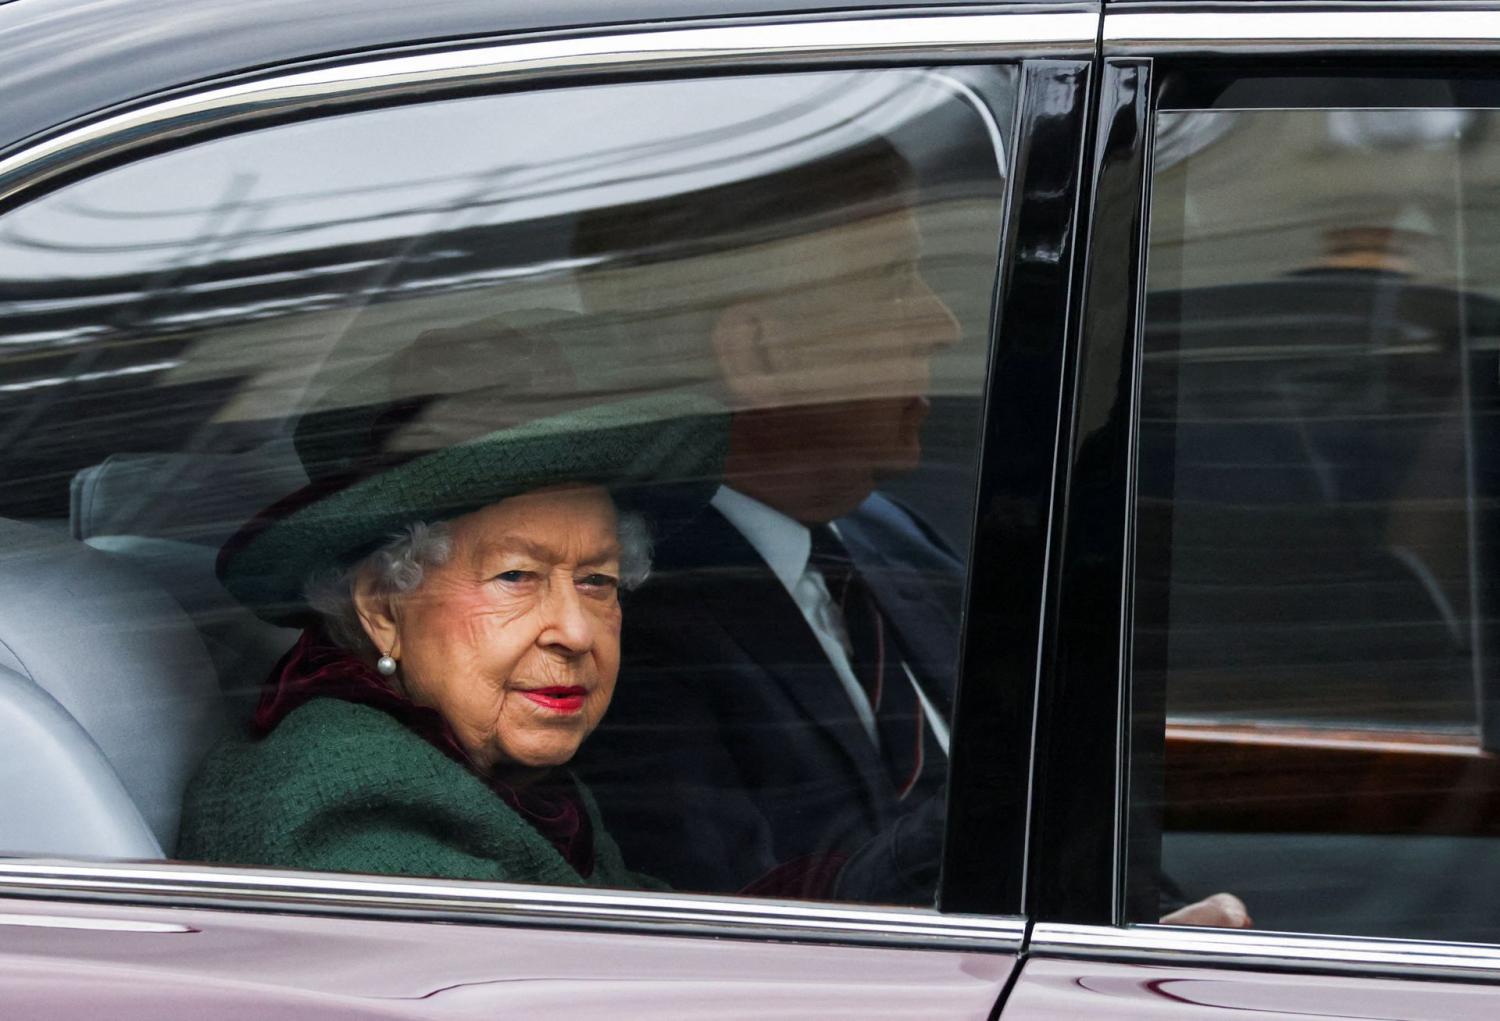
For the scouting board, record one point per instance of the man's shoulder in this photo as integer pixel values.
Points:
(711, 555)
(889, 527)
(704, 560)
(707, 540)
(711, 540)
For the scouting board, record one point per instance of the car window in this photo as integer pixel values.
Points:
(564, 487)
(1314, 564)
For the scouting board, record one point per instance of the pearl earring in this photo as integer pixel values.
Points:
(386, 665)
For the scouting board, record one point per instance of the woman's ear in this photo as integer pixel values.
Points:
(745, 344)
(377, 615)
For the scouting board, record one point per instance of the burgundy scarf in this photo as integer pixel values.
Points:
(316, 668)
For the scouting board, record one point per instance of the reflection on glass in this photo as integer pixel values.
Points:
(229, 373)
(1308, 420)
(1315, 576)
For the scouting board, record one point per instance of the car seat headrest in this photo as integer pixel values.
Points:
(118, 654)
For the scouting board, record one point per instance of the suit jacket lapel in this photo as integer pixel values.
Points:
(745, 598)
(921, 600)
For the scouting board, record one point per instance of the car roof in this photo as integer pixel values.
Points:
(68, 58)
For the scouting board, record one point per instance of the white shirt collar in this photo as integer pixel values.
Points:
(783, 543)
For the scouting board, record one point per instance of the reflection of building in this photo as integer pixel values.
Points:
(1378, 249)
(1319, 407)
(219, 296)
(1263, 189)
(1395, 130)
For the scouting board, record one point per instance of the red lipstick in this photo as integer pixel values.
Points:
(560, 699)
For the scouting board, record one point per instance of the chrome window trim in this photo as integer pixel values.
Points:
(1182, 946)
(941, 38)
(170, 884)
(1265, 29)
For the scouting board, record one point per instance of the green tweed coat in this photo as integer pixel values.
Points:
(343, 787)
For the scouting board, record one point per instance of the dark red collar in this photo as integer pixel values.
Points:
(316, 668)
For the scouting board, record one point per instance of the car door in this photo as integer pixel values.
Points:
(1271, 674)
(193, 261)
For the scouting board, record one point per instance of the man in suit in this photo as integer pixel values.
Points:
(781, 721)
(787, 685)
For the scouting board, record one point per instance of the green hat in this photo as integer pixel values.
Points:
(450, 425)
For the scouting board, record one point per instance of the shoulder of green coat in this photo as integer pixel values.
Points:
(326, 755)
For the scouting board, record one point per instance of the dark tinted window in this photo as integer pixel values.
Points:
(1313, 415)
(1316, 523)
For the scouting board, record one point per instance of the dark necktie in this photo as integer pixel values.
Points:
(905, 737)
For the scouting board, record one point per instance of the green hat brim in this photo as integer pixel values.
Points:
(661, 455)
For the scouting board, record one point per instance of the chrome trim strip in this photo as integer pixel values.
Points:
(1265, 29)
(939, 38)
(1164, 945)
(176, 885)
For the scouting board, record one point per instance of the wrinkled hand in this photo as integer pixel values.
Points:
(1222, 910)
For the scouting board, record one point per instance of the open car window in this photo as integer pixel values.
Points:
(192, 346)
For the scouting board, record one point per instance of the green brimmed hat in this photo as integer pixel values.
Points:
(451, 424)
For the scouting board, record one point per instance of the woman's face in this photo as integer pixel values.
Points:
(516, 639)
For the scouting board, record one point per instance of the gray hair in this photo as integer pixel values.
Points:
(397, 568)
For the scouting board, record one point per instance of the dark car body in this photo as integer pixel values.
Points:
(1071, 755)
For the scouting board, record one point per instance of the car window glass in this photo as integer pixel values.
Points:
(532, 487)
(1315, 569)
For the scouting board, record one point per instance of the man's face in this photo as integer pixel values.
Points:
(852, 342)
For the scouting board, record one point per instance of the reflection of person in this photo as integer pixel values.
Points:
(445, 674)
(791, 682)
(761, 721)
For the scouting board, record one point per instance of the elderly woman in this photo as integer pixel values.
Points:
(457, 578)
(458, 586)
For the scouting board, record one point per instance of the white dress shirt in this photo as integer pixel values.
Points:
(786, 545)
